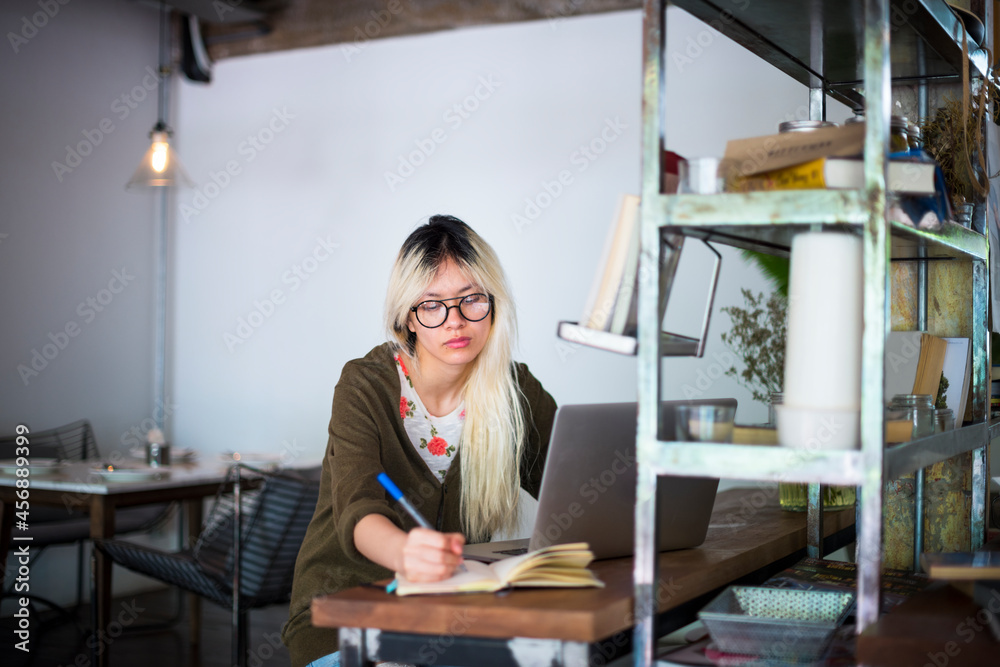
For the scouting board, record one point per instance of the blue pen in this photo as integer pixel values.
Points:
(398, 496)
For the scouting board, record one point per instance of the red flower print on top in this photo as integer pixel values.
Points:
(461, 415)
(437, 446)
(405, 408)
(399, 360)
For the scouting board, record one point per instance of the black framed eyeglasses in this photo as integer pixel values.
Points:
(473, 307)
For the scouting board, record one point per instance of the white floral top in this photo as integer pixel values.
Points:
(435, 438)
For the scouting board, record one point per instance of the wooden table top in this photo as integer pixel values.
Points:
(748, 531)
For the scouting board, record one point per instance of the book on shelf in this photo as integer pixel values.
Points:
(903, 176)
(556, 566)
(958, 370)
(622, 242)
(914, 361)
(832, 575)
(962, 565)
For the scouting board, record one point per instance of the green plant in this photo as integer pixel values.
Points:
(757, 338)
(952, 136)
(941, 402)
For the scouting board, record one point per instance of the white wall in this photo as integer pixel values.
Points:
(65, 235)
(344, 117)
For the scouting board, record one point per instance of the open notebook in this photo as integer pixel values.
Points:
(588, 488)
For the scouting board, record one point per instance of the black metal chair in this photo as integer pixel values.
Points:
(244, 557)
(50, 526)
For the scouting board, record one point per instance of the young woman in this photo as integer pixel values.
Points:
(443, 410)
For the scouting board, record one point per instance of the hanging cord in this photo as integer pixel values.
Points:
(980, 178)
(162, 96)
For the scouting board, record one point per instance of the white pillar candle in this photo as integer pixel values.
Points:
(823, 346)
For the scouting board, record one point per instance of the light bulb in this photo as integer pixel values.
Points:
(160, 148)
(159, 157)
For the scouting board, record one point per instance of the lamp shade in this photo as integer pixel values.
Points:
(160, 166)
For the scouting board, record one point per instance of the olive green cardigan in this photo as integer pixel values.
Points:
(367, 437)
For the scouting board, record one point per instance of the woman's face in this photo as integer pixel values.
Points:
(458, 341)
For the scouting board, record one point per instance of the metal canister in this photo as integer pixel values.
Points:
(157, 454)
(914, 136)
(804, 125)
(899, 138)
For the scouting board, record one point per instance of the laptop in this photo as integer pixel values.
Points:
(588, 487)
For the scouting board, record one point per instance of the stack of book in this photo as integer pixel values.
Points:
(831, 158)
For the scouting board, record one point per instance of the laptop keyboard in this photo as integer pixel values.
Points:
(512, 552)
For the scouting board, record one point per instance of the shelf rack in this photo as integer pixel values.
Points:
(851, 50)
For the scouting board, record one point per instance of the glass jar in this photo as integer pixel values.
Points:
(944, 420)
(777, 398)
(918, 410)
(899, 138)
(804, 125)
(795, 497)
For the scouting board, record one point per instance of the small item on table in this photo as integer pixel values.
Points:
(157, 449)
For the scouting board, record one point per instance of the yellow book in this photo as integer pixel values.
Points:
(837, 173)
(560, 566)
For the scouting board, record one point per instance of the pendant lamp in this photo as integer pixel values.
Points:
(160, 166)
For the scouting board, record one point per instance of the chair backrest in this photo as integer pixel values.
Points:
(274, 519)
(70, 442)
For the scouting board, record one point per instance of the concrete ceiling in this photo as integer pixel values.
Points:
(233, 28)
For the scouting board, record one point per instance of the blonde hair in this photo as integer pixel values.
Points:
(493, 435)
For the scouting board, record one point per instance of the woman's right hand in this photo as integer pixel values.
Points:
(428, 555)
(419, 555)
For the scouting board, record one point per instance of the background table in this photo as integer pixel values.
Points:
(749, 539)
(79, 487)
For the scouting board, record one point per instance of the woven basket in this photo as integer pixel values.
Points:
(775, 623)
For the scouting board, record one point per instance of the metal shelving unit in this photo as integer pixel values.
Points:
(851, 50)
